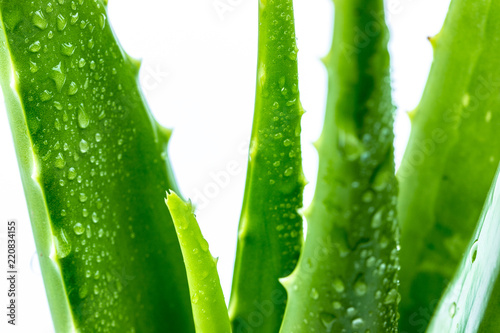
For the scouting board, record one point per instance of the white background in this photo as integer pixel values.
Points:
(198, 76)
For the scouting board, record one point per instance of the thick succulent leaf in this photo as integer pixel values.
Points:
(346, 279)
(94, 168)
(452, 156)
(209, 308)
(270, 230)
(472, 301)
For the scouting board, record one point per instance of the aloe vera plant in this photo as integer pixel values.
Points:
(346, 278)
(114, 258)
(270, 231)
(94, 168)
(451, 157)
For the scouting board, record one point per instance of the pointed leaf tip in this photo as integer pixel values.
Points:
(208, 304)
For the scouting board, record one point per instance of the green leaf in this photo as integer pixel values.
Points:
(270, 230)
(346, 279)
(452, 156)
(94, 169)
(471, 302)
(209, 308)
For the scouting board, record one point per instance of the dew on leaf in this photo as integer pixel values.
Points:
(78, 228)
(39, 20)
(61, 22)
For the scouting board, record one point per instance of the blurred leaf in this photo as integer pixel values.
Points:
(472, 301)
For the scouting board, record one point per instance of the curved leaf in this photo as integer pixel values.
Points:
(94, 169)
(270, 230)
(472, 301)
(451, 158)
(346, 279)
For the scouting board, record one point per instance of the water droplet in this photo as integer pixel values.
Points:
(350, 145)
(84, 146)
(338, 285)
(58, 105)
(289, 172)
(377, 219)
(98, 137)
(392, 297)
(63, 247)
(58, 76)
(73, 88)
(78, 228)
(71, 173)
(381, 180)
(287, 142)
(357, 324)
(74, 18)
(337, 305)
(314, 294)
(473, 251)
(83, 118)
(351, 311)
(67, 49)
(61, 22)
(81, 62)
(83, 197)
(59, 162)
(46, 95)
(370, 262)
(33, 67)
(95, 218)
(102, 21)
(35, 47)
(452, 310)
(360, 287)
(204, 244)
(39, 20)
(195, 298)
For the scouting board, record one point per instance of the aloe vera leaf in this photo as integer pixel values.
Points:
(209, 308)
(270, 230)
(452, 156)
(94, 168)
(471, 301)
(346, 279)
